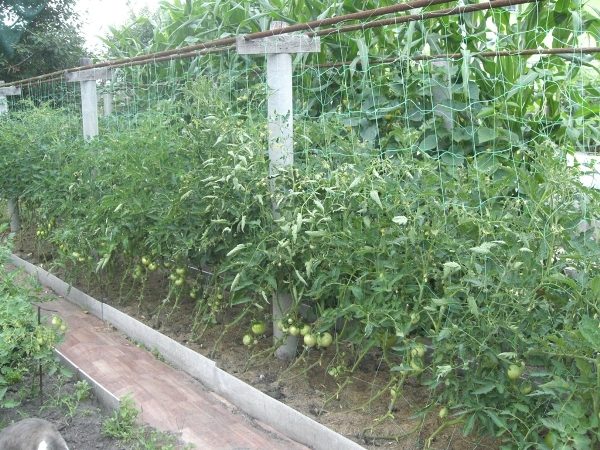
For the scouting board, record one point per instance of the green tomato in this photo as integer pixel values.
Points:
(514, 372)
(259, 328)
(56, 321)
(324, 340)
(247, 340)
(443, 412)
(305, 330)
(151, 267)
(310, 340)
(145, 261)
(550, 439)
(180, 270)
(416, 365)
(526, 388)
(293, 330)
(179, 282)
(418, 351)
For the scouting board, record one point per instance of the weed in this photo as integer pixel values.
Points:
(69, 401)
(121, 425)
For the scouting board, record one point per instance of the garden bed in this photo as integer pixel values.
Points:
(354, 405)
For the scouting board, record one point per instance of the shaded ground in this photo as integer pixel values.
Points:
(79, 421)
(70, 405)
(318, 383)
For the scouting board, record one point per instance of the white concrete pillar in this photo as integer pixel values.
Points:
(13, 203)
(278, 51)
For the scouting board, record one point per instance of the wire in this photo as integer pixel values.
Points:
(488, 54)
(227, 42)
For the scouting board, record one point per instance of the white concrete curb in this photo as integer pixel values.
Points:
(106, 398)
(253, 402)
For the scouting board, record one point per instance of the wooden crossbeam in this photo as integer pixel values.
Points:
(99, 73)
(297, 43)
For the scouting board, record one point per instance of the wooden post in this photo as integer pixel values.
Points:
(89, 95)
(13, 203)
(278, 50)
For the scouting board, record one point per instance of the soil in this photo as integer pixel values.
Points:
(355, 404)
(81, 430)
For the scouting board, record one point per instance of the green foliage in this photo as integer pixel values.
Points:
(121, 425)
(460, 106)
(456, 271)
(23, 343)
(21, 142)
(430, 216)
(70, 401)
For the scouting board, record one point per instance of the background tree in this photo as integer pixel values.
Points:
(38, 37)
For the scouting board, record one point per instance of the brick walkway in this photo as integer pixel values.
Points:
(169, 400)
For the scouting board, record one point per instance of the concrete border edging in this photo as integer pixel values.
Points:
(250, 400)
(106, 398)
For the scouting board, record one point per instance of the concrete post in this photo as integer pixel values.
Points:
(14, 215)
(108, 104)
(279, 50)
(89, 95)
(13, 203)
(89, 105)
(281, 157)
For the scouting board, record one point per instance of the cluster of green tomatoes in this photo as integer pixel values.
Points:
(293, 328)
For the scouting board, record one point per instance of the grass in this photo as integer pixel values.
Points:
(123, 425)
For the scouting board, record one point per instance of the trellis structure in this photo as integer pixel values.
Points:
(402, 195)
(279, 81)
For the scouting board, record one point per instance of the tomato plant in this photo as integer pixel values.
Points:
(476, 275)
(24, 344)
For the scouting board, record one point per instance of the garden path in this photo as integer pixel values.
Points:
(169, 400)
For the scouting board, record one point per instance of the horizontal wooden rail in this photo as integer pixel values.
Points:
(224, 44)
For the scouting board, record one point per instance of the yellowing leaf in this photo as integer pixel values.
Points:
(400, 220)
(235, 282)
(354, 183)
(375, 197)
(236, 249)
(319, 205)
(300, 278)
(186, 195)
